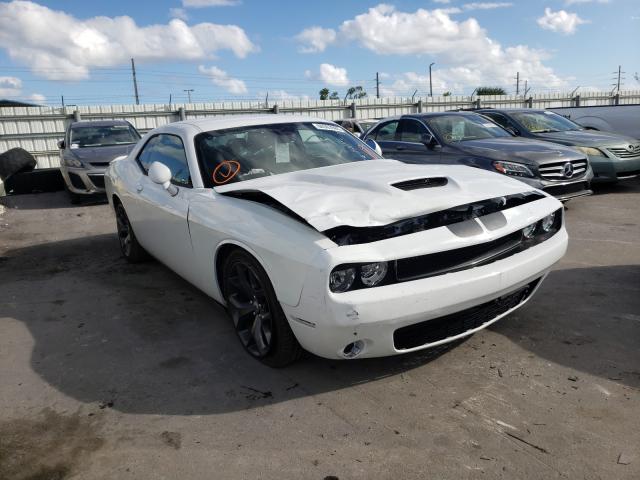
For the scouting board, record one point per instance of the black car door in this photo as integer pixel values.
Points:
(386, 136)
(410, 148)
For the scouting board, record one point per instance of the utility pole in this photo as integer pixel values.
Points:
(377, 85)
(620, 80)
(62, 98)
(517, 83)
(526, 87)
(135, 82)
(430, 82)
(189, 90)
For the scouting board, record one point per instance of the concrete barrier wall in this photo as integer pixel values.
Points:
(38, 129)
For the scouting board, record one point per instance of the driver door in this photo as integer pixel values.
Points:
(159, 219)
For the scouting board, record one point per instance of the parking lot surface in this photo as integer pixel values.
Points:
(110, 370)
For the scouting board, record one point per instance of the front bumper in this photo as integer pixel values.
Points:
(613, 169)
(83, 180)
(563, 190)
(325, 323)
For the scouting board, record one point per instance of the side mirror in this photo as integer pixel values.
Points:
(373, 145)
(428, 140)
(61, 144)
(159, 173)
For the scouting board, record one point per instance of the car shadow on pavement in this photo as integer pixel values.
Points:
(57, 200)
(623, 186)
(140, 339)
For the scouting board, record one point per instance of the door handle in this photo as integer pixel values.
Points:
(139, 187)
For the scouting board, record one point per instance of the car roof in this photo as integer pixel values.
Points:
(99, 123)
(510, 110)
(233, 121)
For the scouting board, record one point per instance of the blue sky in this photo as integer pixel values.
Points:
(286, 48)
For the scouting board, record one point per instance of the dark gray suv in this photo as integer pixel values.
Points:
(87, 150)
(471, 139)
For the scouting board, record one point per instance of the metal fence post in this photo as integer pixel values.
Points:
(353, 109)
(576, 100)
(276, 109)
(420, 106)
(616, 99)
(182, 115)
(76, 116)
(478, 103)
(530, 102)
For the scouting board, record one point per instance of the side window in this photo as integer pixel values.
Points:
(499, 119)
(169, 150)
(412, 131)
(387, 132)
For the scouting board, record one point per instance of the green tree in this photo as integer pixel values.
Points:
(446, 94)
(355, 93)
(490, 91)
(324, 95)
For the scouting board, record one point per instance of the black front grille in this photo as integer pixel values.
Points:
(560, 190)
(76, 181)
(457, 323)
(458, 259)
(97, 180)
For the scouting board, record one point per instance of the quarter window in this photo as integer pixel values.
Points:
(168, 150)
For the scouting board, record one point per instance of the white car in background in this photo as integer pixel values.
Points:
(312, 241)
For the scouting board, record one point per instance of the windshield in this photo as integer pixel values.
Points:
(105, 136)
(238, 154)
(461, 128)
(545, 122)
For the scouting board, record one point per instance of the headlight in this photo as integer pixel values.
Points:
(529, 231)
(341, 280)
(372, 274)
(591, 151)
(72, 162)
(510, 168)
(547, 222)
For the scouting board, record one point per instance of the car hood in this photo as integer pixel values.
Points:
(100, 154)
(530, 152)
(588, 138)
(360, 194)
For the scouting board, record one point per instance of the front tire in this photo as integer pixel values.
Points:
(132, 251)
(257, 315)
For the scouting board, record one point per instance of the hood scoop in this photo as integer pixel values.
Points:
(418, 183)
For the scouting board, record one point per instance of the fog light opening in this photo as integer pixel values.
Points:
(353, 349)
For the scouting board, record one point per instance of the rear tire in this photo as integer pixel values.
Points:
(74, 198)
(131, 250)
(257, 315)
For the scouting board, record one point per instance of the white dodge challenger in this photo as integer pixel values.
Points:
(313, 241)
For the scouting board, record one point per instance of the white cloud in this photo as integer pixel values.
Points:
(315, 39)
(222, 79)
(179, 13)
(330, 75)
(465, 55)
(561, 21)
(442, 1)
(486, 5)
(10, 86)
(209, 3)
(71, 47)
(37, 98)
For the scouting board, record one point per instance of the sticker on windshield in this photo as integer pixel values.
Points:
(328, 126)
(282, 153)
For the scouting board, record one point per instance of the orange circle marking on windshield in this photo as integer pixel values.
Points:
(225, 171)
